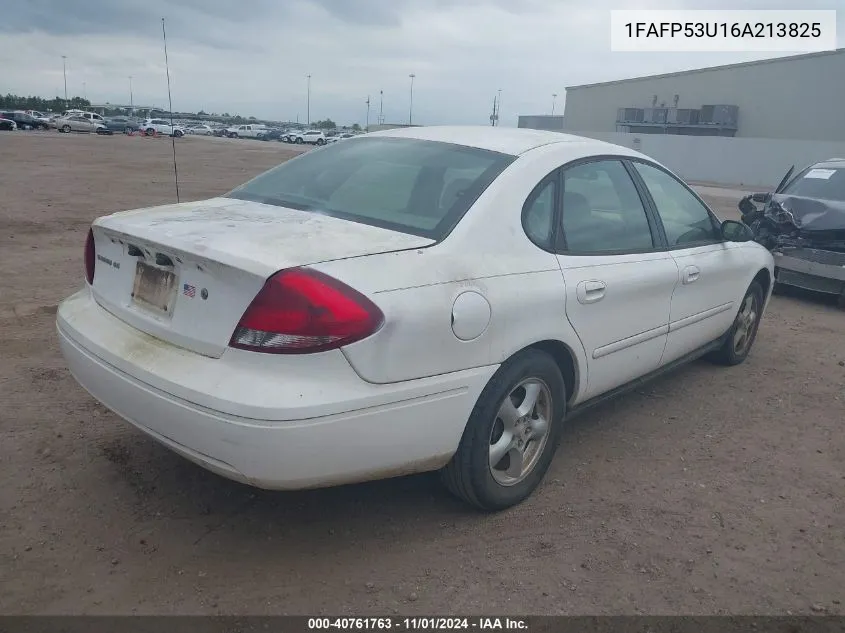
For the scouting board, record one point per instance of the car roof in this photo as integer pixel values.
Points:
(507, 140)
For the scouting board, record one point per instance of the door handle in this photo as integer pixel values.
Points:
(690, 274)
(591, 291)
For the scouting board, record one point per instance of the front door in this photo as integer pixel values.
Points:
(712, 271)
(619, 279)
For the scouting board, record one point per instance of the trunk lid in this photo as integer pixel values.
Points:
(185, 273)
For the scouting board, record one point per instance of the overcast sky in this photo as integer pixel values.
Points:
(252, 57)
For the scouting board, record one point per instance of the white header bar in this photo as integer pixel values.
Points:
(723, 31)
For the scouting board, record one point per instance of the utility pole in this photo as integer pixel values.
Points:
(131, 99)
(498, 106)
(493, 114)
(64, 72)
(367, 128)
(381, 107)
(411, 108)
(84, 91)
(554, 98)
(308, 103)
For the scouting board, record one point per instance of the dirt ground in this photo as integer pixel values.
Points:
(711, 491)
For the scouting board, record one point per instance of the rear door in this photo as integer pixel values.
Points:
(618, 276)
(713, 271)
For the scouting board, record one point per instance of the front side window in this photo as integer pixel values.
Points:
(685, 218)
(602, 211)
(408, 185)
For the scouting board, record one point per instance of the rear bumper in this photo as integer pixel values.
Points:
(388, 430)
(812, 269)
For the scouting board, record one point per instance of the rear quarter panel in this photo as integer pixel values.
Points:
(487, 253)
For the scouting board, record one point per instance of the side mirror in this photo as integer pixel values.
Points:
(760, 197)
(734, 231)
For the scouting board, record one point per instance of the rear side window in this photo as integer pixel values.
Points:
(818, 182)
(408, 185)
(602, 210)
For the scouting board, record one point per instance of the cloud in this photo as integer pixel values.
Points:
(253, 57)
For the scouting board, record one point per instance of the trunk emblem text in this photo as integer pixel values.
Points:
(108, 262)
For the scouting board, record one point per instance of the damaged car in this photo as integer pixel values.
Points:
(803, 224)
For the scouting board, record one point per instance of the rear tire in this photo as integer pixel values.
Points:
(743, 332)
(177, 133)
(150, 131)
(508, 443)
(299, 141)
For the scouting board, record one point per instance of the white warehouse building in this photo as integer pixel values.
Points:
(795, 97)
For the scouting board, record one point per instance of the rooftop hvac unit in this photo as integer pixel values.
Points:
(629, 115)
(722, 115)
(706, 114)
(660, 115)
(671, 115)
(648, 115)
(686, 116)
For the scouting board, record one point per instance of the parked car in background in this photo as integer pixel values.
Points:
(802, 222)
(433, 298)
(38, 115)
(200, 129)
(340, 137)
(314, 137)
(7, 124)
(124, 124)
(79, 123)
(247, 131)
(162, 126)
(272, 134)
(24, 121)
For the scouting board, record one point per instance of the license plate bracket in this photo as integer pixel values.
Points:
(154, 289)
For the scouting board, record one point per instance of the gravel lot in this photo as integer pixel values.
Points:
(711, 491)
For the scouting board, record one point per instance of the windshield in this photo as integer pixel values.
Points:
(408, 185)
(817, 182)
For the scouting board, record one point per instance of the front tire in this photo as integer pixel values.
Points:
(743, 332)
(66, 129)
(150, 131)
(511, 435)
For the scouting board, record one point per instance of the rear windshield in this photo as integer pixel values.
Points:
(818, 182)
(408, 185)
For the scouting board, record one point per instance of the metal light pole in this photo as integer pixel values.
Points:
(367, 127)
(131, 99)
(64, 72)
(498, 107)
(381, 107)
(411, 107)
(308, 102)
(554, 98)
(84, 91)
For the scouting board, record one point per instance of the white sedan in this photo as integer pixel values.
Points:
(201, 130)
(432, 298)
(161, 126)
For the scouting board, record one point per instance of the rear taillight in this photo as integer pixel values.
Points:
(90, 257)
(300, 311)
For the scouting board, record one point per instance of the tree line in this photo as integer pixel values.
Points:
(57, 104)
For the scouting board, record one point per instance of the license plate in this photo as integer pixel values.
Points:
(154, 288)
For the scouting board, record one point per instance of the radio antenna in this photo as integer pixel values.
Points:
(170, 105)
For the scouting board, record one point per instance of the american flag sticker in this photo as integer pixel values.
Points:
(189, 291)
